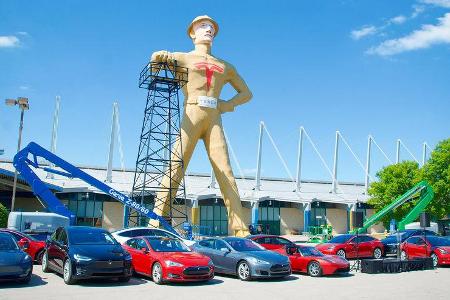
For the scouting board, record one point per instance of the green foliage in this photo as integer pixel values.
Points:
(3, 216)
(395, 180)
(437, 172)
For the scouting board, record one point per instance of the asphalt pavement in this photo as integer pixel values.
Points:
(430, 284)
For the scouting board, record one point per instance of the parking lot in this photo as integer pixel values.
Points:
(431, 284)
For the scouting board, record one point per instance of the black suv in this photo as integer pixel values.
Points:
(79, 252)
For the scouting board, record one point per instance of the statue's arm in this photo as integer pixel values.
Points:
(243, 92)
(169, 57)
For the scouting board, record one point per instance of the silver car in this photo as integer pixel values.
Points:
(244, 258)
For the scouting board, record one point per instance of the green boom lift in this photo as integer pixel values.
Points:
(422, 190)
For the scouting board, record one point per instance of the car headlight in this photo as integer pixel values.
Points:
(27, 258)
(254, 260)
(210, 263)
(443, 251)
(81, 258)
(170, 263)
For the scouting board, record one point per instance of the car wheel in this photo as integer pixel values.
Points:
(314, 269)
(403, 255)
(435, 259)
(157, 275)
(38, 257)
(341, 253)
(44, 262)
(243, 271)
(377, 253)
(67, 272)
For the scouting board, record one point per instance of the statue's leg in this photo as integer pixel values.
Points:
(190, 133)
(217, 149)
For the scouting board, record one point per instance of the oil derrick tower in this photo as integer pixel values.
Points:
(160, 131)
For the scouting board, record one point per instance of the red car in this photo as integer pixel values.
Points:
(438, 248)
(272, 242)
(309, 260)
(352, 246)
(168, 259)
(30, 245)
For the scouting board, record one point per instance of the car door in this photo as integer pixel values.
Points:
(411, 247)
(52, 249)
(62, 248)
(422, 248)
(350, 247)
(226, 258)
(365, 246)
(131, 247)
(143, 254)
(299, 262)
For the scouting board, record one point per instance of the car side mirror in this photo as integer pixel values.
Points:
(144, 250)
(24, 244)
(225, 249)
(291, 250)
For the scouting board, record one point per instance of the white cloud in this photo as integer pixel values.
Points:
(9, 41)
(418, 9)
(441, 3)
(363, 32)
(398, 19)
(22, 33)
(427, 36)
(24, 88)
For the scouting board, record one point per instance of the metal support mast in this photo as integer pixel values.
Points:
(158, 156)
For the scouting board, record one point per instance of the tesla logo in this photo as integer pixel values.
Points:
(209, 70)
(109, 262)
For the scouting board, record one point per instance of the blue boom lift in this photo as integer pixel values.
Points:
(22, 163)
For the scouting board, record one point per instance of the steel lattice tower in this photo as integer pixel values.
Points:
(160, 131)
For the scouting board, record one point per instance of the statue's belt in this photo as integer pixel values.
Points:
(204, 101)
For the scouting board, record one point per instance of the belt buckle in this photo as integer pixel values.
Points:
(206, 101)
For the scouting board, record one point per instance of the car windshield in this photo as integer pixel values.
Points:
(7, 243)
(244, 245)
(340, 239)
(310, 251)
(168, 245)
(439, 242)
(94, 237)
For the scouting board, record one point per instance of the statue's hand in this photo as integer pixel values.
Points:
(225, 106)
(162, 56)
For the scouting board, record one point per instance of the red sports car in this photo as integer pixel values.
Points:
(438, 248)
(168, 259)
(29, 244)
(309, 260)
(272, 242)
(352, 246)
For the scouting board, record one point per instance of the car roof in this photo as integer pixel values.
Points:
(84, 228)
(135, 228)
(262, 235)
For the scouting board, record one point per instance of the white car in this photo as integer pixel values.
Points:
(125, 234)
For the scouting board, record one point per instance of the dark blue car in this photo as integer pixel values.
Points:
(79, 252)
(14, 263)
(392, 241)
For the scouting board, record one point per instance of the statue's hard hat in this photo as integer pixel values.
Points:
(201, 18)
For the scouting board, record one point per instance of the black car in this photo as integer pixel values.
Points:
(79, 252)
(15, 264)
(392, 241)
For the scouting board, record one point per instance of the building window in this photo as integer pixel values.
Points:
(269, 216)
(318, 216)
(88, 207)
(213, 217)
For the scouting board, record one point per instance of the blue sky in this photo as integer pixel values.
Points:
(361, 67)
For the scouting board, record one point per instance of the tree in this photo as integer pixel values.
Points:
(437, 172)
(3, 216)
(394, 181)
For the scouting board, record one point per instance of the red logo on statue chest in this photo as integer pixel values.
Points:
(209, 71)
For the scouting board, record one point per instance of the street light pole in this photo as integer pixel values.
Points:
(23, 105)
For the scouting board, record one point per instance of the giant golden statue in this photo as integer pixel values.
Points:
(202, 117)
